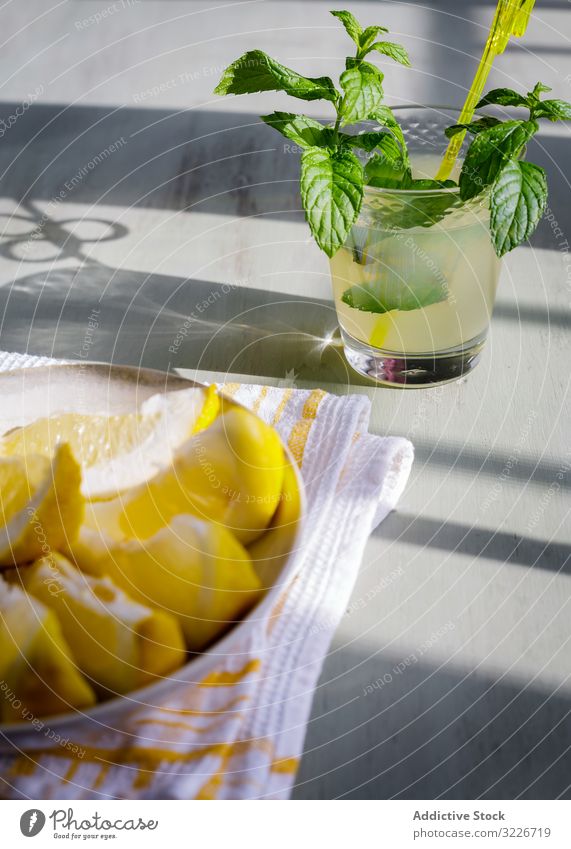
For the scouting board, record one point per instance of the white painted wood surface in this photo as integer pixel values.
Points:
(450, 673)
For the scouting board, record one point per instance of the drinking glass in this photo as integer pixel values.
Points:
(415, 283)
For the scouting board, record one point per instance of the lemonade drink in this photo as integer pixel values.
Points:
(418, 274)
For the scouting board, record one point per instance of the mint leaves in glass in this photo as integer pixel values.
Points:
(414, 260)
(332, 176)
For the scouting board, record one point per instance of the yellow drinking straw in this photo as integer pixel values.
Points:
(511, 18)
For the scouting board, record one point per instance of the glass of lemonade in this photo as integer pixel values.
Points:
(415, 283)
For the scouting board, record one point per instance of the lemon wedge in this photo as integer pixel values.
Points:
(120, 451)
(36, 663)
(194, 570)
(41, 506)
(270, 551)
(231, 473)
(117, 642)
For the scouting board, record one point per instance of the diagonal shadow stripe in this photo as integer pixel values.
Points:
(533, 315)
(476, 542)
(220, 162)
(471, 460)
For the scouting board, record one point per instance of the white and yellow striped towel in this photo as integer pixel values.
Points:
(238, 733)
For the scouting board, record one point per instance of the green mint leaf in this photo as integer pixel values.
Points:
(538, 89)
(368, 36)
(489, 151)
(422, 211)
(300, 129)
(351, 24)
(502, 97)
(392, 50)
(473, 127)
(364, 141)
(256, 71)
(367, 141)
(553, 110)
(388, 169)
(385, 116)
(393, 294)
(331, 193)
(363, 89)
(432, 184)
(389, 147)
(383, 173)
(331, 138)
(517, 201)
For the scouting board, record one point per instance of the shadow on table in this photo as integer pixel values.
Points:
(92, 311)
(467, 458)
(188, 159)
(214, 162)
(432, 732)
(168, 322)
(477, 542)
(165, 322)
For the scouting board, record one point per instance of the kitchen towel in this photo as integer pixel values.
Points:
(238, 732)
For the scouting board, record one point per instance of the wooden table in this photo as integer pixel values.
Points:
(134, 198)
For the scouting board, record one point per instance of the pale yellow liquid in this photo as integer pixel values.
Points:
(456, 262)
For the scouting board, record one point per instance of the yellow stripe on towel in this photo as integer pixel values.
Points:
(300, 431)
(210, 789)
(287, 766)
(188, 726)
(227, 679)
(258, 402)
(281, 406)
(192, 712)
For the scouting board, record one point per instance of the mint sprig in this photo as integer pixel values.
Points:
(488, 153)
(304, 131)
(389, 168)
(517, 201)
(381, 296)
(332, 177)
(553, 110)
(363, 92)
(473, 127)
(331, 193)
(518, 190)
(392, 50)
(352, 26)
(256, 71)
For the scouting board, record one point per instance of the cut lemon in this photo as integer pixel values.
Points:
(41, 506)
(268, 552)
(120, 451)
(193, 570)
(232, 473)
(117, 642)
(36, 663)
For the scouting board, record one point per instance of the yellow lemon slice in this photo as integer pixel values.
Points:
(117, 642)
(41, 506)
(270, 551)
(36, 663)
(193, 570)
(231, 473)
(120, 451)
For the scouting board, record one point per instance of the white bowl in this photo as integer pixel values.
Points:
(28, 394)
